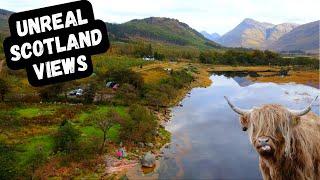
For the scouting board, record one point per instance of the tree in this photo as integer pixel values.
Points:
(67, 138)
(90, 93)
(158, 56)
(104, 122)
(4, 88)
(149, 51)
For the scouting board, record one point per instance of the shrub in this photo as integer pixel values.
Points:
(36, 159)
(141, 127)
(179, 79)
(4, 88)
(87, 149)
(128, 93)
(50, 92)
(7, 161)
(157, 98)
(67, 138)
(10, 119)
(159, 95)
(123, 76)
(168, 90)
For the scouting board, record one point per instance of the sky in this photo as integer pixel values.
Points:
(210, 15)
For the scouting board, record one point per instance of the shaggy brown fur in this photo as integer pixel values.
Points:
(295, 142)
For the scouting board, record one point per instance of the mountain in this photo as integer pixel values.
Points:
(4, 16)
(212, 37)
(304, 37)
(254, 34)
(249, 33)
(274, 33)
(159, 29)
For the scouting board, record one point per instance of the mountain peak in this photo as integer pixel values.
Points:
(249, 21)
(5, 12)
(161, 21)
(212, 37)
(159, 29)
(254, 23)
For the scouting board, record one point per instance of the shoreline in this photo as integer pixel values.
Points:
(201, 79)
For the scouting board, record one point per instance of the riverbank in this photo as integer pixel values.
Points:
(201, 76)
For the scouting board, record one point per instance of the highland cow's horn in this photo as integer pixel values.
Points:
(303, 111)
(236, 109)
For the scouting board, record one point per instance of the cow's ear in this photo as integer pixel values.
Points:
(244, 121)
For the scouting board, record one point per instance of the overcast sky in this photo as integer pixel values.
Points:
(210, 15)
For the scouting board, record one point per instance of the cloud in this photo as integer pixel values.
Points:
(210, 15)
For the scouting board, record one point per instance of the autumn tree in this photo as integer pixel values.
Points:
(104, 121)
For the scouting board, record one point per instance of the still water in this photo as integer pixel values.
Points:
(207, 140)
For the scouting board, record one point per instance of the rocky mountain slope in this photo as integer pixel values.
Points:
(254, 34)
(303, 38)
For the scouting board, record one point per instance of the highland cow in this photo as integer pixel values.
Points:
(287, 141)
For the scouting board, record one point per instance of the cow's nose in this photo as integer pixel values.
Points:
(263, 140)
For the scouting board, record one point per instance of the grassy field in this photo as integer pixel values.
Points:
(28, 138)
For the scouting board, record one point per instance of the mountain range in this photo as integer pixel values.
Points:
(212, 36)
(248, 34)
(304, 38)
(282, 37)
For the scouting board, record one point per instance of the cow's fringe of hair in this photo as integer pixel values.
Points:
(266, 122)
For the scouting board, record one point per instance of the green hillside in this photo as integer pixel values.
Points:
(158, 29)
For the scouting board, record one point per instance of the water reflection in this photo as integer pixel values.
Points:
(207, 141)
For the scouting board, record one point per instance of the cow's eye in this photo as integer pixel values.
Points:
(244, 128)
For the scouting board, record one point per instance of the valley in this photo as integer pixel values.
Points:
(160, 82)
